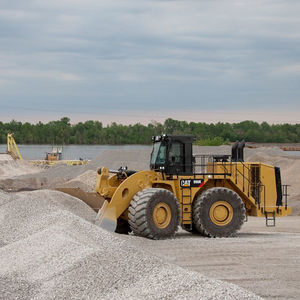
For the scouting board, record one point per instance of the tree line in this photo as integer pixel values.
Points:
(62, 132)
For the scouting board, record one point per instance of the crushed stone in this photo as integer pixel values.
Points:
(51, 250)
(85, 181)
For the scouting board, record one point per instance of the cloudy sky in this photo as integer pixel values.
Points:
(140, 60)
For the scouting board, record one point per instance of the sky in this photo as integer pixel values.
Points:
(147, 60)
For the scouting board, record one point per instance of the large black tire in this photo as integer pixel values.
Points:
(154, 213)
(218, 212)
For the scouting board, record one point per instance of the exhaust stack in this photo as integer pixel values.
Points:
(237, 151)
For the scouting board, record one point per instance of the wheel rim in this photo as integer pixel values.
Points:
(221, 213)
(161, 215)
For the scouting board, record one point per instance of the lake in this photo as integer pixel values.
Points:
(70, 151)
(82, 151)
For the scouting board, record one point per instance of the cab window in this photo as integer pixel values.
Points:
(159, 154)
(161, 157)
(176, 153)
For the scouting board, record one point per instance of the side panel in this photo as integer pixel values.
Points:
(269, 196)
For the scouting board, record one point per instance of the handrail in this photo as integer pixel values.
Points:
(238, 171)
(244, 166)
(258, 185)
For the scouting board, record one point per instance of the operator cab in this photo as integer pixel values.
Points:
(172, 154)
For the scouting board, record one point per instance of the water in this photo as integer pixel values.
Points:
(70, 151)
(293, 153)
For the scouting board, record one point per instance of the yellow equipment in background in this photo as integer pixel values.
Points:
(52, 158)
(12, 147)
(56, 162)
(206, 194)
(54, 155)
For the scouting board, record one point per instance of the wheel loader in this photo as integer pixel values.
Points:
(210, 195)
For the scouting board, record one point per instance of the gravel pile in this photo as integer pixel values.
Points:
(114, 159)
(10, 167)
(50, 250)
(21, 175)
(248, 152)
(85, 181)
(31, 178)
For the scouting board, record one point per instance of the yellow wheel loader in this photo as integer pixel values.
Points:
(210, 195)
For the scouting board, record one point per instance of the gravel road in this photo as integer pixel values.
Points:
(263, 260)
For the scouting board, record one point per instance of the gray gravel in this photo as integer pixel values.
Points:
(49, 249)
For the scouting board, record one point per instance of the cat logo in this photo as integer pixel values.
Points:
(191, 183)
(185, 182)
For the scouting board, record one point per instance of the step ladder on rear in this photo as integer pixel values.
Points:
(270, 218)
(186, 207)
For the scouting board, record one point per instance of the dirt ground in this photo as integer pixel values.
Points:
(263, 260)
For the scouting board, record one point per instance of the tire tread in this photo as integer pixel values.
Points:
(137, 213)
(200, 204)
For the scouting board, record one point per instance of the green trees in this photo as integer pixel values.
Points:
(93, 132)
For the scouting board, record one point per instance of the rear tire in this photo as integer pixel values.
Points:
(218, 212)
(154, 213)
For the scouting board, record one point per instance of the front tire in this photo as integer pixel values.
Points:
(154, 213)
(218, 212)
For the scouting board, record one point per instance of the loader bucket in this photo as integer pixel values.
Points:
(92, 199)
(106, 217)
